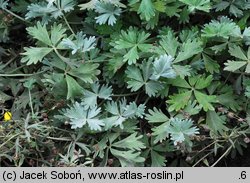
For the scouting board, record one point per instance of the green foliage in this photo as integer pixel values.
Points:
(81, 43)
(179, 101)
(39, 32)
(242, 59)
(203, 5)
(181, 130)
(132, 41)
(235, 8)
(121, 111)
(80, 116)
(49, 10)
(162, 68)
(140, 77)
(123, 83)
(107, 13)
(102, 92)
(127, 151)
(223, 28)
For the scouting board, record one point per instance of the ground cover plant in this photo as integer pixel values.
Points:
(124, 82)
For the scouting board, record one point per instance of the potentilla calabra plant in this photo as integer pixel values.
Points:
(124, 82)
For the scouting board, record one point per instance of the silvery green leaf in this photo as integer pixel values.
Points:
(80, 43)
(224, 28)
(120, 111)
(49, 10)
(181, 130)
(108, 13)
(163, 68)
(80, 116)
(140, 77)
(97, 91)
(3, 4)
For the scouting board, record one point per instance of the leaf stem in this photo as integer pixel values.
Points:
(9, 140)
(20, 75)
(63, 58)
(15, 15)
(67, 23)
(222, 156)
(125, 95)
(31, 106)
(60, 139)
(206, 155)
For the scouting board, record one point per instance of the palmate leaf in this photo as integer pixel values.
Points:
(215, 122)
(182, 71)
(131, 142)
(181, 130)
(3, 4)
(34, 55)
(234, 65)
(51, 9)
(79, 117)
(200, 82)
(224, 28)
(243, 59)
(169, 43)
(91, 4)
(86, 72)
(41, 33)
(108, 13)
(146, 9)
(210, 64)
(179, 101)
(138, 78)
(132, 40)
(157, 159)
(97, 91)
(203, 5)
(161, 132)
(121, 111)
(205, 100)
(156, 116)
(81, 43)
(156, 152)
(226, 96)
(128, 150)
(127, 158)
(162, 68)
(235, 8)
(189, 49)
(192, 108)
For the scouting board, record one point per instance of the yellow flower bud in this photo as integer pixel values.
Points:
(7, 116)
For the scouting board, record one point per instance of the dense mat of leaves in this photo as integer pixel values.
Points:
(123, 82)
